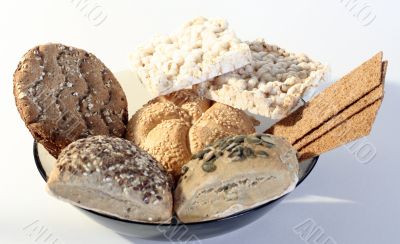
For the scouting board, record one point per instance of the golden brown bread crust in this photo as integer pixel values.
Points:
(173, 127)
(217, 122)
(194, 105)
(64, 93)
(168, 143)
(149, 116)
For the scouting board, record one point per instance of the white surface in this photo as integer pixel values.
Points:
(351, 202)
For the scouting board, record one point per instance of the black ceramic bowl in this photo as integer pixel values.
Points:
(175, 231)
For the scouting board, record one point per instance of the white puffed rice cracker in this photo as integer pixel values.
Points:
(271, 85)
(201, 50)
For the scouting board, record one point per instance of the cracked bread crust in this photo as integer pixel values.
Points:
(64, 93)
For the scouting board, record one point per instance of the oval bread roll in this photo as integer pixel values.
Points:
(112, 176)
(64, 93)
(235, 174)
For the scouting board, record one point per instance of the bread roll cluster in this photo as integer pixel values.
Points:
(175, 126)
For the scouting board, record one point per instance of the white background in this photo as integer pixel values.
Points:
(351, 201)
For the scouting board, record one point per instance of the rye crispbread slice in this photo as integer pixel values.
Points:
(357, 126)
(356, 107)
(331, 101)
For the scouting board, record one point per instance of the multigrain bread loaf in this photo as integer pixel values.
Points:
(173, 127)
(64, 93)
(234, 174)
(271, 85)
(112, 176)
(201, 50)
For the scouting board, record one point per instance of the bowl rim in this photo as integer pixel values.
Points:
(43, 174)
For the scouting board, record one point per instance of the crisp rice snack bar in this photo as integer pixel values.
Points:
(201, 50)
(271, 85)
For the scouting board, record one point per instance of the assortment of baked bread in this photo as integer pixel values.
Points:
(192, 151)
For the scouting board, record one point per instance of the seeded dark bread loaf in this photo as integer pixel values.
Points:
(173, 127)
(111, 175)
(235, 174)
(64, 93)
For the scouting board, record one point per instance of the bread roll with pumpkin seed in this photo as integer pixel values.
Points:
(235, 174)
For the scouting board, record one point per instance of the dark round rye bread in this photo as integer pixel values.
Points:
(64, 93)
